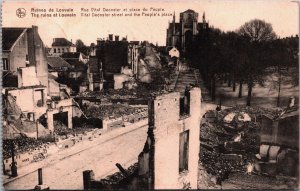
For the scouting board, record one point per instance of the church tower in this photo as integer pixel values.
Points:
(189, 23)
(182, 34)
(173, 31)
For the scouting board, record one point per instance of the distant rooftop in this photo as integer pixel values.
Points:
(77, 66)
(189, 11)
(57, 62)
(61, 42)
(72, 55)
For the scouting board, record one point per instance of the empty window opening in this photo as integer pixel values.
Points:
(185, 104)
(5, 64)
(39, 98)
(60, 121)
(183, 150)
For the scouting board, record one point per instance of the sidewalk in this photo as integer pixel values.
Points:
(77, 148)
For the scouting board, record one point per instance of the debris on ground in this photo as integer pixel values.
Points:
(61, 130)
(230, 143)
(117, 180)
(110, 111)
(245, 181)
(21, 144)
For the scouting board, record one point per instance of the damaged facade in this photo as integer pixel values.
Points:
(279, 142)
(26, 78)
(94, 74)
(23, 47)
(119, 62)
(169, 159)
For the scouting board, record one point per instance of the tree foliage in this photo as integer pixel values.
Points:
(242, 56)
(81, 47)
(257, 31)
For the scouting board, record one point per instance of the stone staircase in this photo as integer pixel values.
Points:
(204, 91)
(185, 78)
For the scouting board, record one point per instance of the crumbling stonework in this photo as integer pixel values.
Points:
(59, 107)
(166, 162)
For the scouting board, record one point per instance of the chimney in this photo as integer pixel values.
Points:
(116, 38)
(291, 102)
(35, 29)
(110, 37)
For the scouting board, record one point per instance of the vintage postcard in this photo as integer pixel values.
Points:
(150, 94)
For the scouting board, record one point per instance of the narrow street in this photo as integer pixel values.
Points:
(99, 157)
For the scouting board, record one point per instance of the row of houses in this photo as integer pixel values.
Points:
(38, 83)
(32, 98)
(102, 68)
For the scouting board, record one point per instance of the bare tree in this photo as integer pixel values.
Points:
(257, 33)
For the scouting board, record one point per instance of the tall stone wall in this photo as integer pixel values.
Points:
(159, 162)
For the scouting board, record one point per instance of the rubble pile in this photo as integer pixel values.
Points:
(60, 129)
(111, 94)
(119, 179)
(21, 144)
(111, 111)
(162, 77)
(229, 143)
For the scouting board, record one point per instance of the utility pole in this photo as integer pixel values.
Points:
(37, 128)
(14, 169)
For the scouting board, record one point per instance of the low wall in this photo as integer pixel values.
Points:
(46, 150)
(125, 120)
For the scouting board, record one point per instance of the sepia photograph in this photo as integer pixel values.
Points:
(146, 95)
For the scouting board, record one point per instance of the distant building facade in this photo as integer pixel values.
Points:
(115, 55)
(94, 74)
(181, 35)
(133, 56)
(60, 46)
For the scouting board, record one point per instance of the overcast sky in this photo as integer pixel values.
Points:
(223, 14)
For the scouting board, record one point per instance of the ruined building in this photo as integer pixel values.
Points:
(117, 57)
(181, 35)
(170, 156)
(32, 100)
(171, 153)
(94, 74)
(279, 139)
(23, 47)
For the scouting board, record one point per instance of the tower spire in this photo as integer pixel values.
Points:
(174, 23)
(174, 17)
(203, 17)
